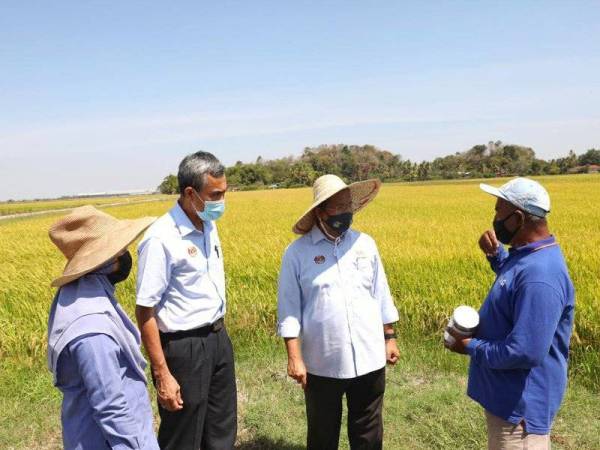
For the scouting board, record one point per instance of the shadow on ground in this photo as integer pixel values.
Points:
(265, 443)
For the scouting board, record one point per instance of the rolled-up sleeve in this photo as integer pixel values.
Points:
(381, 292)
(96, 357)
(289, 297)
(154, 272)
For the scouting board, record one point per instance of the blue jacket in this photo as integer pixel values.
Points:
(520, 354)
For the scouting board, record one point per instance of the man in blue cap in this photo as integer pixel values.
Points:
(519, 354)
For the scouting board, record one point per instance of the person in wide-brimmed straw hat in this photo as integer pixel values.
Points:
(90, 238)
(93, 347)
(336, 314)
(360, 194)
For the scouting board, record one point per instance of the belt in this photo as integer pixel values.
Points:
(202, 331)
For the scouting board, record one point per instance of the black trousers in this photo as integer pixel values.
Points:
(202, 363)
(364, 397)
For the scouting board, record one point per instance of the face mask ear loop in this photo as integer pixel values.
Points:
(200, 198)
(323, 228)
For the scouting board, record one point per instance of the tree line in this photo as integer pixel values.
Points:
(360, 162)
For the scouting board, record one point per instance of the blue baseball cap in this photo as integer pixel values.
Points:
(527, 195)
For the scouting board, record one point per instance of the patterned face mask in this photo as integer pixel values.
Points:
(340, 222)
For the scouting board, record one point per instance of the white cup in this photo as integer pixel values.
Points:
(464, 321)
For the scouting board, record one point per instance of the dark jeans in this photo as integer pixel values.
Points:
(202, 363)
(364, 397)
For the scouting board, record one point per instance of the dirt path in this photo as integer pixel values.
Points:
(52, 211)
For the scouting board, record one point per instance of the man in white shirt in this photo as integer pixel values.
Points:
(180, 310)
(336, 313)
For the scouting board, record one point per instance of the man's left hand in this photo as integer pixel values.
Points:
(391, 351)
(460, 342)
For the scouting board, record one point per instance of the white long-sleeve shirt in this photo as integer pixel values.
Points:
(335, 297)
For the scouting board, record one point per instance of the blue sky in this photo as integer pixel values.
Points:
(107, 96)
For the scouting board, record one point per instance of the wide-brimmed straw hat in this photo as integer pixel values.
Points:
(90, 238)
(326, 186)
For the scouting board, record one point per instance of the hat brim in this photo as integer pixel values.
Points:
(361, 193)
(102, 250)
(492, 191)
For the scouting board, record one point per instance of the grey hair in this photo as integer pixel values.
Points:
(536, 220)
(195, 167)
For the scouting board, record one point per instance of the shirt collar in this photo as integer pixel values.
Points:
(533, 246)
(317, 235)
(183, 222)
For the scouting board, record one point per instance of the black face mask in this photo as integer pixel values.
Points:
(502, 233)
(340, 222)
(122, 272)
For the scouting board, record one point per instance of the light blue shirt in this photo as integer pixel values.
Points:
(105, 402)
(336, 298)
(180, 272)
(94, 354)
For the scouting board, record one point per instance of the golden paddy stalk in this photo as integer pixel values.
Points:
(427, 235)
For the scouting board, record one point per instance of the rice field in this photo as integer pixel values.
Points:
(426, 233)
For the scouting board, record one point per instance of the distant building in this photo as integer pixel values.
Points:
(114, 193)
(589, 168)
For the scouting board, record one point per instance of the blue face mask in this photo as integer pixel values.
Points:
(213, 210)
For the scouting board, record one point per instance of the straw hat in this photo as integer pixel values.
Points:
(326, 186)
(90, 238)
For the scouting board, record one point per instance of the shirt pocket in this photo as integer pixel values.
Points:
(215, 260)
(363, 266)
(191, 264)
(320, 290)
(216, 247)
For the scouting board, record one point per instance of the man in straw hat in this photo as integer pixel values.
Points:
(180, 310)
(520, 352)
(93, 347)
(336, 314)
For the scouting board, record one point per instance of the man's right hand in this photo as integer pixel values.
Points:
(168, 391)
(488, 243)
(297, 370)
